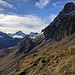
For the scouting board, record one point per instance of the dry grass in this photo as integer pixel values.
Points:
(58, 59)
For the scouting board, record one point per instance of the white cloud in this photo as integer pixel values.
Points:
(26, 23)
(52, 17)
(56, 4)
(42, 3)
(6, 4)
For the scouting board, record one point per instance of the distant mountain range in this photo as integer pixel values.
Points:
(18, 34)
(32, 34)
(49, 53)
(9, 40)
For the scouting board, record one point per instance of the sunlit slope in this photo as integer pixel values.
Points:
(58, 59)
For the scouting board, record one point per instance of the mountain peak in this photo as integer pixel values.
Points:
(20, 33)
(32, 33)
(69, 7)
(70, 4)
(57, 26)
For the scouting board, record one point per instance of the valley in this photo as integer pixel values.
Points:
(51, 52)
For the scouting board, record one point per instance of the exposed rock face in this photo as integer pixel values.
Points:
(66, 28)
(69, 7)
(66, 15)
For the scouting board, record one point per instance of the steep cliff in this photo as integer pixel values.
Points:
(63, 25)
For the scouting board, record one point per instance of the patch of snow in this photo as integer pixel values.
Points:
(32, 34)
(20, 33)
(33, 37)
(37, 36)
(17, 36)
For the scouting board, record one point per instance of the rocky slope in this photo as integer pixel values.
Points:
(63, 24)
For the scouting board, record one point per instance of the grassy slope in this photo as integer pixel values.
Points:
(58, 59)
(9, 60)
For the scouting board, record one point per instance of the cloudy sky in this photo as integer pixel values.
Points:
(28, 15)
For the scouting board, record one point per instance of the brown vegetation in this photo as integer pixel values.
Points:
(58, 59)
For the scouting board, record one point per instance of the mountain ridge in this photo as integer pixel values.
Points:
(4, 39)
(49, 31)
(18, 34)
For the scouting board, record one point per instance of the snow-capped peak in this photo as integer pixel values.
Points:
(18, 34)
(32, 34)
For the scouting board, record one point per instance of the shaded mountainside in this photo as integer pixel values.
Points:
(50, 53)
(26, 46)
(66, 28)
(7, 41)
(63, 25)
(4, 35)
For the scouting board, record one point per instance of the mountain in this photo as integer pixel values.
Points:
(7, 41)
(49, 53)
(32, 34)
(54, 29)
(18, 34)
(4, 35)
